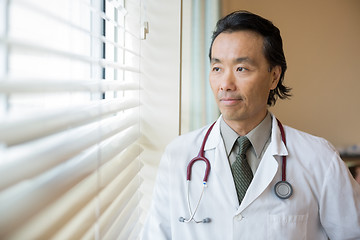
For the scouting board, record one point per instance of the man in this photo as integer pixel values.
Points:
(245, 149)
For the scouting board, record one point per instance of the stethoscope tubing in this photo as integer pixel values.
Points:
(283, 189)
(201, 157)
(192, 214)
(283, 138)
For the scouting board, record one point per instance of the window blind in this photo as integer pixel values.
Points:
(69, 119)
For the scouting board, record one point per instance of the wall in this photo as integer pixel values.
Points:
(321, 44)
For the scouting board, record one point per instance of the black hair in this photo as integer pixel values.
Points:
(273, 46)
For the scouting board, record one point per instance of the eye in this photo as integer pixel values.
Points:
(216, 69)
(241, 69)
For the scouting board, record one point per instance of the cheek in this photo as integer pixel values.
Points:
(213, 85)
(257, 93)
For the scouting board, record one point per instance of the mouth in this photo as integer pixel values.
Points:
(228, 101)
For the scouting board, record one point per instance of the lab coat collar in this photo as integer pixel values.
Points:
(214, 137)
(277, 147)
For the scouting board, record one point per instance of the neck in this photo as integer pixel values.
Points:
(244, 126)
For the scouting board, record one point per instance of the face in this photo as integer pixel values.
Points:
(240, 78)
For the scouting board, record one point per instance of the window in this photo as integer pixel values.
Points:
(69, 119)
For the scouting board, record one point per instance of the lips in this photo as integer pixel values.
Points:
(230, 100)
(223, 96)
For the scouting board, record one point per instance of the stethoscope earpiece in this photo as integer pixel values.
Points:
(206, 220)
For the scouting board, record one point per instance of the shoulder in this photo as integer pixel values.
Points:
(311, 150)
(306, 140)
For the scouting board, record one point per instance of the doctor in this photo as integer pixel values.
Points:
(247, 72)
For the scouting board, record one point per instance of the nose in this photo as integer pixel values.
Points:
(227, 82)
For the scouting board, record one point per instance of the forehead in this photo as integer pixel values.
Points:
(238, 44)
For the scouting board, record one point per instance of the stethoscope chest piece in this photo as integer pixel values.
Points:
(283, 189)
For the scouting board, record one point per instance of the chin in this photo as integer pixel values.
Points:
(233, 116)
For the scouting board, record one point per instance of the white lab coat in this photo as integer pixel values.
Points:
(325, 202)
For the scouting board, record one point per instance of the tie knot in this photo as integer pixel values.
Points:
(244, 144)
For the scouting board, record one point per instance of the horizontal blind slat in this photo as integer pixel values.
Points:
(119, 6)
(38, 10)
(58, 152)
(117, 207)
(118, 227)
(121, 186)
(112, 22)
(135, 234)
(115, 210)
(59, 19)
(17, 44)
(52, 185)
(118, 46)
(13, 131)
(10, 86)
(38, 157)
(42, 227)
(127, 230)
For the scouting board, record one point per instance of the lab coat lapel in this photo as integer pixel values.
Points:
(263, 176)
(220, 166)
(267, 169)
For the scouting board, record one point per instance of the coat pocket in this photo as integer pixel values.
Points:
(287, 227)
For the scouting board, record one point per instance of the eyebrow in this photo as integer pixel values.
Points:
(237, 60)
(215, 60)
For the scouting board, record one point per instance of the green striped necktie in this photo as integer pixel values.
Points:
(240, 168)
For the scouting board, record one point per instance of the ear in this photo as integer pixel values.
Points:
(275, 76)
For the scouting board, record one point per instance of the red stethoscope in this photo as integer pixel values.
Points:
(283, 188)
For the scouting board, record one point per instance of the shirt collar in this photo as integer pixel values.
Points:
(258, 136)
